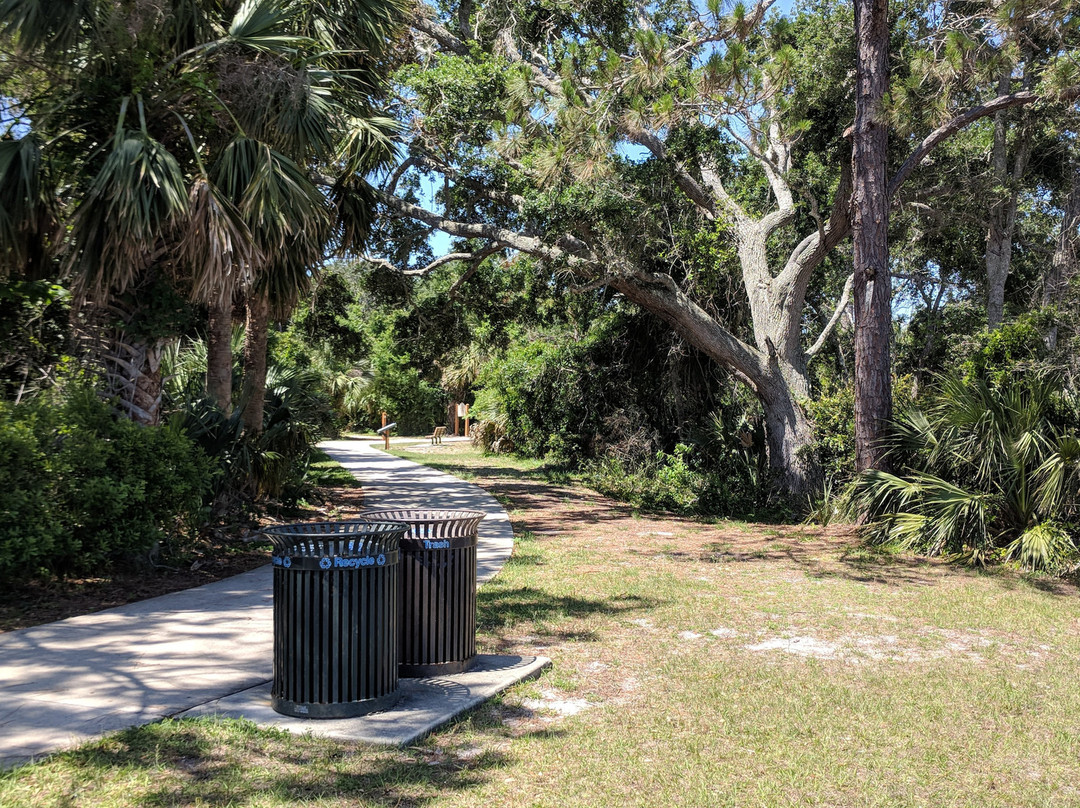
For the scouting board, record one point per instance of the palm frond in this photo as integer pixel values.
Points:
(216, 245)
(1042, 546)
(368, 26)
(986, 462)
(368, 144)
(1057, 479)
(55, 25)
(137, 196)
(354, 204)
(264, 24)
(28, 229)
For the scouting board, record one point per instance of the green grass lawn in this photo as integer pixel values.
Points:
(694, 664)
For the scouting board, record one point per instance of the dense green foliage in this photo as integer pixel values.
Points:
(648, 211)
(81, 489)
(253, 467)
(987, 468)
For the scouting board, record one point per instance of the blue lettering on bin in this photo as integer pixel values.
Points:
(381, 560)
(324, 562)
(436, 545)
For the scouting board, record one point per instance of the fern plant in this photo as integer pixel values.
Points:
(985, 471)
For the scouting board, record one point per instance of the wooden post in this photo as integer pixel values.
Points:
(457, 422)
(466, 420)
(386, 440)
(384, 418)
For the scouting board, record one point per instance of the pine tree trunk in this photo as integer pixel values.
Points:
(255, 330)
(998, 264)
(1065, 264)
(219, 355)
(1001, 222)
(873, 287)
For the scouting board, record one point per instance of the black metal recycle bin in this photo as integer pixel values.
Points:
(438, 590)
(335, 617)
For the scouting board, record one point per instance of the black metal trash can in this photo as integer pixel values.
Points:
(335, 617)
(437, 634)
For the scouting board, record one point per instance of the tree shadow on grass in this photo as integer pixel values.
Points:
(499, 607)
(856, 562)
(219, 762)
(864, 563)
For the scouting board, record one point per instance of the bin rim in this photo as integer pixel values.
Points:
(332, 537)
(408, 515)
(337, 530)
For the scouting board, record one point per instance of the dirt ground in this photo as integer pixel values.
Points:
(224, 552)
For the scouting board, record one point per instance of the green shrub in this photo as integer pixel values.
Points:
(833, 413)
(668, 483)
(86, 489)
(397, 388)
(549, 397)
(1016, 347)
(987, 470)
(686, 481)
(29, 531)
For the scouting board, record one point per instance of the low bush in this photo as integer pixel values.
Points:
(668, 483)
(685, 481)
(989, 469)
(80, 488)
(834, 428)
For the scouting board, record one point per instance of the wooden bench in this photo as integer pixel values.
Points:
(437, 435)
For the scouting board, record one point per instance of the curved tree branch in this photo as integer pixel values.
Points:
(815, 349)
(518, 241)
(964, 119)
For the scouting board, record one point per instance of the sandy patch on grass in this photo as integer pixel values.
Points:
(926, 644)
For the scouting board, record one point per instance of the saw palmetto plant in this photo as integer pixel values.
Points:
(983, 471)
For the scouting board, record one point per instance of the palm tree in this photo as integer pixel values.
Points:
(179, 146)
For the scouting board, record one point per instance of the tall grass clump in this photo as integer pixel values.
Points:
(987, 470)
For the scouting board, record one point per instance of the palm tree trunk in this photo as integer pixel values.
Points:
(131, 364)
(219, 355)
(255, 331)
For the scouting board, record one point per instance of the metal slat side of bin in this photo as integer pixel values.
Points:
(437, 631)
(335, 617)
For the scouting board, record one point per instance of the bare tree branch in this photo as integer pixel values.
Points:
(660, 295)
(541, 76)
(438, 262)
(580, 289)
(518, 241)
(689, 186)
(510, 200)
(395, 177)
(437, 32)
(477, 259)
(815, 349)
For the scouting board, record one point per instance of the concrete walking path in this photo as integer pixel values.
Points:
(66, 682)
